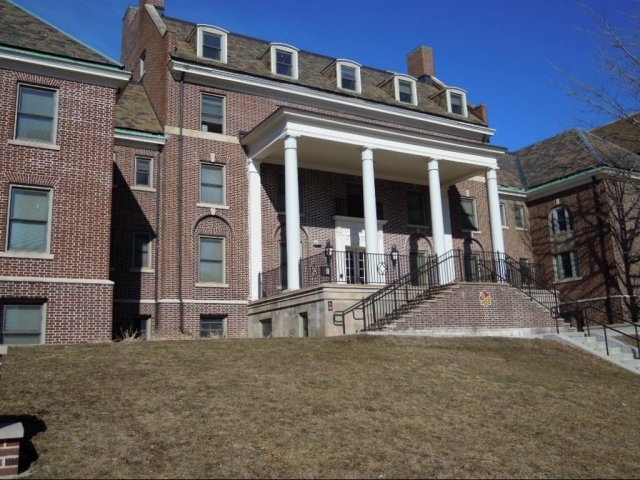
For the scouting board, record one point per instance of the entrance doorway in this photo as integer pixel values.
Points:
(355, 267)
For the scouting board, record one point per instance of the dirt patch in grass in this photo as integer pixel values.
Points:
(349, 407)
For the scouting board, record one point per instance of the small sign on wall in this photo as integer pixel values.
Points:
(330, 305)
(485, 298)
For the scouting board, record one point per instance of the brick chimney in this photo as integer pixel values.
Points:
(420, 62)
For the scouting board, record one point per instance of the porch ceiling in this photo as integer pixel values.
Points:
(330, 156)
(335, 145)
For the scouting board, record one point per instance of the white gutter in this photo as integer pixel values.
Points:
(331, 101)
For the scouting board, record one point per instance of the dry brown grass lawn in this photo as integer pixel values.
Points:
(350, 407)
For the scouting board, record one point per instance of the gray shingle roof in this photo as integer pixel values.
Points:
(245, 55)
(134, 111)
(21, 29)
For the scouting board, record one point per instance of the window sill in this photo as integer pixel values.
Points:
(470, 231)
(212, 205)
(567, 280)
(522, 229)
(212, 285)
(34, 255)
(27, 143)
(142, 270)
(142, 188)
(505, 227)
(418, 225)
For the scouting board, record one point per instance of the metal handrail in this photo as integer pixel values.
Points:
(384, 305)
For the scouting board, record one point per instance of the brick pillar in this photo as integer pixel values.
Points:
(10, 437)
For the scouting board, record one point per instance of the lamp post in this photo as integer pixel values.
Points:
(328, 253)
(395, 255)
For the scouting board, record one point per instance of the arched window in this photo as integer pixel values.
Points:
(560, 221)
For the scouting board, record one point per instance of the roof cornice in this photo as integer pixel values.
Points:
(307, 96)
(134, 138)
(77, 70)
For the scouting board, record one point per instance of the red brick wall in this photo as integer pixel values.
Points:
(79, 175)
(508, 309)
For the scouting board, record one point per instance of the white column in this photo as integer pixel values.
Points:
(497, 240)
(292, 209)
(437, 218)
(369, 198)
(255, 228)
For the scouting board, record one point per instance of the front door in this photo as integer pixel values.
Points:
(355, 265)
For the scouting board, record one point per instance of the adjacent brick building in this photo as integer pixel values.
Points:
(56, 145)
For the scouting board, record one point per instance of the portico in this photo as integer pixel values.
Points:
(298, 139)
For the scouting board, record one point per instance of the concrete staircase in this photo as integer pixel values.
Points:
(620, 353)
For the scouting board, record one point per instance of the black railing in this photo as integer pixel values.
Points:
(354, 267)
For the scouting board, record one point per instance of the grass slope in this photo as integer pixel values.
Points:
(350, 407)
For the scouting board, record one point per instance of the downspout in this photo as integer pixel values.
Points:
(156, 289)
(180, 219)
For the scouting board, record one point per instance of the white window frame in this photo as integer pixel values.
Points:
(475, 214)
(554, 227)
(515, 216)
(211, 30)
(224, 112)
(144, 266)
(223, 170)
(275, 47)
(412, 83)
(148, 185)
(30, 253)
(557, 267)
(18, 303)
(503, 215)
(222, 281)
(54, 119)
(340, 64)
(463, 99)
(142, 64)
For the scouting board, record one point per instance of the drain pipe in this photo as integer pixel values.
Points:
(156, 289)
(180, 219)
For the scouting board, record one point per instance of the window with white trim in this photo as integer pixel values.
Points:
(559, 221)
(348, 74)
(29, 219)
(212, 43)
(565, 265)
(212, 184)
(143, 172)
(469, 214)
(212, 114)
(141, 250)
(36, 114)
(284, 61)
(503, 215)
(212, 326)
(22, 323)
(457, 102)
(211, 260)
(405, 90)
(518, 212)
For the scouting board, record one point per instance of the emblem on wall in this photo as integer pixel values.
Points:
(485, 298)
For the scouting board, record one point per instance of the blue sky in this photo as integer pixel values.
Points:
(504, 53)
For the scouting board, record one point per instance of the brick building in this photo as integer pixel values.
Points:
(56, 144)
(582, 201)
(236, 187)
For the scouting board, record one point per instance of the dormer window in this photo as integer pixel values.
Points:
(348, 75)
(457, 102)
(212, 43)
(284, 60)
(405, 89)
